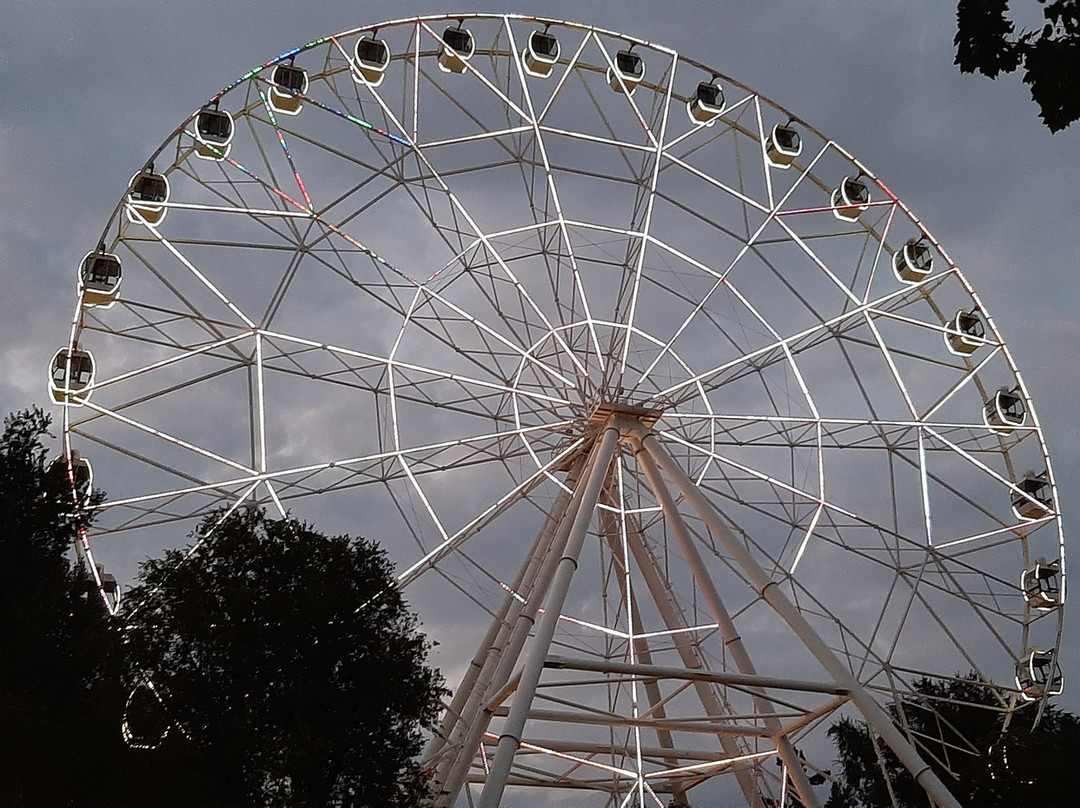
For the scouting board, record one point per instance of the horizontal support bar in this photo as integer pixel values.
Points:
(690, 674)
(671, 724)
(596, 784)
(537, 746)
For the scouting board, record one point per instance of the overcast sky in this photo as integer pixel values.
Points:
(89, 89)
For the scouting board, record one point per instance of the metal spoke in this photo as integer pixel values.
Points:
(486, 308)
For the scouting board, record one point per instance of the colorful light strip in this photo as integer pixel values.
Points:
(307, 209)
(285, 148)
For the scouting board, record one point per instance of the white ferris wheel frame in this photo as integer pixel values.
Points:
(593, 406)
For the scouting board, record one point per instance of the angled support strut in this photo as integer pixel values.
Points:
(728, 630)
(510, 740)
(876, 717)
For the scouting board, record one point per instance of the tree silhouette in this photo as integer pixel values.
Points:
(987, 42)
(58, 741)
(962, 734)
(282, 666)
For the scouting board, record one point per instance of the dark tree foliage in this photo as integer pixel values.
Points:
(960, 734)
(286, 667)
(986, 42)
(57, 740)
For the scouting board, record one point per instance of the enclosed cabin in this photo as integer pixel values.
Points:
(146, 723)
(1034, 498)
(147, 196)
(1039, 676)
(458, 48)
(628, 72)
(1004, 411)
(1041, 585)
(850, 199)
(82, 474)
(372, 59)
(783, 146)
(99, 278)
(70, 374)
(541, 54)
(913, 261)
(289, 83)
(964, 333)
(109, 586)
(213, 133)
(707, 103)
(108, 583)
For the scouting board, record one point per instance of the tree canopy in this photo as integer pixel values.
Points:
(52, 636)
(963, 736)
(286, 662)
(987, 42)
(272, 665)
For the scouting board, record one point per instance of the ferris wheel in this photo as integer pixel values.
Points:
(686, 435)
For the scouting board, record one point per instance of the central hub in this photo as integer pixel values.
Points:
(647, 416)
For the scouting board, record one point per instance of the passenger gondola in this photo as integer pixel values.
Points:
(541, 54)
(148, 194)
(707, 103)
(99, 278)
(458, 48)
(213, 133)
(964, 333)
(1038, 675)
(1034, 499)
(913, 261)
(289, 83)
(783, 146)
(1004, 411)
(1042, 585)
(70, 374)
(850, 199)
(372, 59)
(628, 73)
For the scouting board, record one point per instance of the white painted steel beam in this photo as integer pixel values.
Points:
(693, 674)
(875, 716)
(602, 453)
(728, 630)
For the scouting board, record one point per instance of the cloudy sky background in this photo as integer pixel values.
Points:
(88, 90)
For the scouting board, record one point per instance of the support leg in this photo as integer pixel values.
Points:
(876, 717)
(510, 740)
(522, 583)
(502, 655)
(728, 630)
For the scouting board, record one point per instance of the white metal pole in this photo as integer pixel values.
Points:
(669, 613)
(442, 747)
(876, 717)
(533, 666)
(728, 630)
(503, 655)
(519, 592)
(518, 588)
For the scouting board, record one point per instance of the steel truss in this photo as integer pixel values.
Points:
(703, 455)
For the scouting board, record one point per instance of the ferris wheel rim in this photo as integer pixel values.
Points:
(561, 367)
